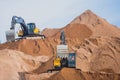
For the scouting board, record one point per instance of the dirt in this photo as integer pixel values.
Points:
(98, 25)
(99, 54)
(44, 67)
(73, 74)
(73, 31)
(14, 64)
(31, 47)
(95, 41)
(9, 45)
(50, 32)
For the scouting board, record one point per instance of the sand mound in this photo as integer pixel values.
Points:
(44, 66)
(50, 32)
(73, 31)
(96, 42)
(14, 64)
(41, 76)
(98, 25)
(66, 74)
(9, 45)
(99, 54)
(31, 47)
(35, 47)
(72, 74)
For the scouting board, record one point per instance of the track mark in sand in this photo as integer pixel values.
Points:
(37, 49)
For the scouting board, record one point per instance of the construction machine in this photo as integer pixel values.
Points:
(64, 58)
(26, 30)
(63, 61)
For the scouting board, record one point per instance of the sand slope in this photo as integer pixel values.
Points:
(14, 64)
(95, 41)
(72, 74)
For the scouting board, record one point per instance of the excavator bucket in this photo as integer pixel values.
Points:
(10, 35)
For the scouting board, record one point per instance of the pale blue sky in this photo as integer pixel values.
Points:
(55, 13)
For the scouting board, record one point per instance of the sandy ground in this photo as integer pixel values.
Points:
(95, 41)
(72, 74)
(14, 64)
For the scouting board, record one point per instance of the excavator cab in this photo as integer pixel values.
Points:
(32, 29)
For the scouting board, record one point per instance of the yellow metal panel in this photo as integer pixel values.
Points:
(36, 31)
(57, 62)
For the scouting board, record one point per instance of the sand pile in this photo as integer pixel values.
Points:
(66, 74)
(44, 67)
(98, 46)
(14, 64)
(73, 31)
(41, 76)
(10, 45)
(96, 42)
(50, 32)
(98, 25)
(35, 47)
(73, 74)
(99, 54)
(31, 47)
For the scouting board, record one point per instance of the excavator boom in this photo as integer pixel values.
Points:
(19, 20)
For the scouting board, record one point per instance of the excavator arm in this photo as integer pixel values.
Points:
(19, 20)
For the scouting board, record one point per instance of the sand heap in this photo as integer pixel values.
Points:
(99, 54)
(96, 42)
(98, 25)
(72, 31)
(75, 31)
(50, 32)
(72, 74)
(31, 47)
(14, 64)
